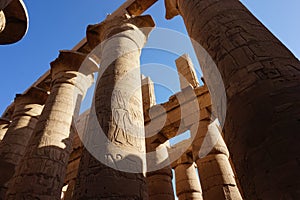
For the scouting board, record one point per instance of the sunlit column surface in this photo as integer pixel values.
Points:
(187, 181)
(4, 123)
(216, 174)
(40, 174)
(27, 109)
(118, 106)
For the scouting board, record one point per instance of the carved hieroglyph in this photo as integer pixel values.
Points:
(28, 108)
(262, 81)
(47, 156)
(119, 113)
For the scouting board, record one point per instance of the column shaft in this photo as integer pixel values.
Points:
(160, 184)
(187, 182)
(216, 174)
(27, 109)
(262, 81)
(119, 112)
(40, 174)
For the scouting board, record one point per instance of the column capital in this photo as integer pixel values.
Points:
(99, 32)
(67, 61)
(171, 8)
(186, 158)
(33, 95)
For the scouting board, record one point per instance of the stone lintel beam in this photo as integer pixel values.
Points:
(173, 109)
(132, 8)
(186, 72)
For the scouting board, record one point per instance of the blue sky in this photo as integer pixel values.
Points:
(60, 24)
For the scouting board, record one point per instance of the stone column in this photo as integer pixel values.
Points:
(212, 158)
(40, 174)
(262, 81)
(118, 107)
(27, 109)
(187, 181)
(4, 123)
(159, 180)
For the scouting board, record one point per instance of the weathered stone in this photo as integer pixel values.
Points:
(187, 182)
(212, 158)
(4, 123)
(257, 106)
(45, 162)
(118, 107)
(27, 110)
(186, 72)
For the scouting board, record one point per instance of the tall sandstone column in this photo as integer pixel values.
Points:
(262, 81)
(187, 181)
(40, 174)
(216, 174)
(4, 124)
(27, 109)
(118, 104)
(159, 181)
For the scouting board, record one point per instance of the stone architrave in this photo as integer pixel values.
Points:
(119, 110)
(4, 123)
(262, 81)
(212, 159)
(40, 174)
(27, 109)
(187, 181)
